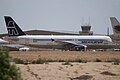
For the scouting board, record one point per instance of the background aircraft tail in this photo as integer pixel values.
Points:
(116, 26)
(12, 28)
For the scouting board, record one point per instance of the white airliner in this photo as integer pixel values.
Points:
(68, 42)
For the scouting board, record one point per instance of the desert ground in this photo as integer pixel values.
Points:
(90, 70)
(65, 55)
(74, 71)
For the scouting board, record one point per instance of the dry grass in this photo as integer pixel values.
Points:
(65, 55)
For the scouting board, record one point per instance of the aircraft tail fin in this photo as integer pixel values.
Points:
(12, 28)
(116, 26)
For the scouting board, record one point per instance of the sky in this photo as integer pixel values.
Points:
(60, 15)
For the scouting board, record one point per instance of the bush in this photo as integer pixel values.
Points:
(8, 71)
(98, 60)
(81, 61)
(40, 61)
(18, 61)
(114, 61)
(67, 63)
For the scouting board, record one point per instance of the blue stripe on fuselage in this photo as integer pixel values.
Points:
(36, 40)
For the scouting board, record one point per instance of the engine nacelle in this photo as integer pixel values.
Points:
(24, 49)
(80, 48)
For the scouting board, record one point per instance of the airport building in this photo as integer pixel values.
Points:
(86, 30)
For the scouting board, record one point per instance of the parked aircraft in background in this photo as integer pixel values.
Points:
(67, 42)
(116, 27)
(2, 42)
(11, 45)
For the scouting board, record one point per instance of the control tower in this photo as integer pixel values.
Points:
(86, 30)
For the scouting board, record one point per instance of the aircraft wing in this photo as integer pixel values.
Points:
(68, 43)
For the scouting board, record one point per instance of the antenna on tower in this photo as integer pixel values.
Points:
(107, 31)
(82, 20)
(89, 21)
